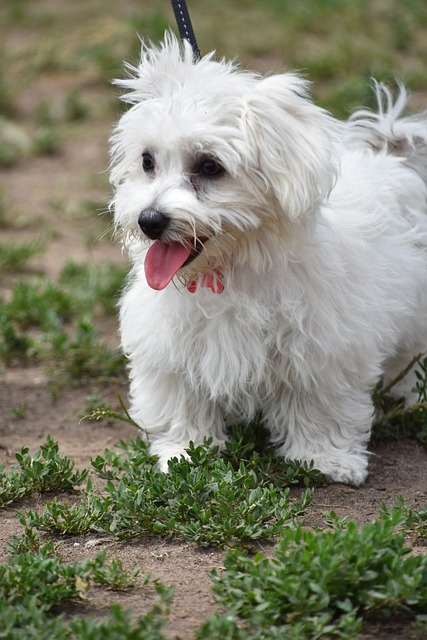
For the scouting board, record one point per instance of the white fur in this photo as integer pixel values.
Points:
(320, 230)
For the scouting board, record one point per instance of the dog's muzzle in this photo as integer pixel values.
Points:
(153, 223)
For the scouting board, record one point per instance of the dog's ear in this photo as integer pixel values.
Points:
(293, 140)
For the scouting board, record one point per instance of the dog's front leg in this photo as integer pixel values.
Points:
(172, 414)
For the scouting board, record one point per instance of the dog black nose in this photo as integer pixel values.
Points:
(153, 223)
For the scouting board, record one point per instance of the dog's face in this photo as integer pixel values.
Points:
(209, 155)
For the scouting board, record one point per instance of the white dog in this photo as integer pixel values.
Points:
(279, 257)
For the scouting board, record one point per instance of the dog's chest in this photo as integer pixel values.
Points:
(231, 353)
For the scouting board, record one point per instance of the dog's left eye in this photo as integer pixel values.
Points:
(148, 163)
(210, 168)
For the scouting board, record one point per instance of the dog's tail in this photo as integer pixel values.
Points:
(386, 130)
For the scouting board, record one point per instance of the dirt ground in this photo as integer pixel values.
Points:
(397, 468)
(74, 175)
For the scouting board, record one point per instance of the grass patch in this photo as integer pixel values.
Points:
(207, 498)
(323, 583)
(81, 357)
(52, 323)
(36, 587)
(415, 522)
(320, 585)
(46, 471)
(397, 418)
(15, 257)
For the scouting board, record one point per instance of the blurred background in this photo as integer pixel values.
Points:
(57, 104)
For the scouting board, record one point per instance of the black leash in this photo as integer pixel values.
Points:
(185, 27)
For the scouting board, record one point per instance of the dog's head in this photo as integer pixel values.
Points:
(211, 159)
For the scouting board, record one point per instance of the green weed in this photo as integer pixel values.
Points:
(320, 585)
(30, 541)
(399, 419)
(414, 522)
(46, 140)
(36, 585)
(93, 285)
(47, 322)
(45, 471)
(205, 499)
(19, 411)
(100, 411)
(323, 583)
(82, 358)
(60, 518)
(14, 257)
(13, 345)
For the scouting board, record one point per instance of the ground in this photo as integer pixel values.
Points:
(397, 468)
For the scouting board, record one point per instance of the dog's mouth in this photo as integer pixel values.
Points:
(164, 260)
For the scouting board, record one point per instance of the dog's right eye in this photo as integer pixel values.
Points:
(148, 163)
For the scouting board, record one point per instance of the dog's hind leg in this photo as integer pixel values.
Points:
(330, 430)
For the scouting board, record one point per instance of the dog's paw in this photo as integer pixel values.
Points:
(346, 468)
(165, 451)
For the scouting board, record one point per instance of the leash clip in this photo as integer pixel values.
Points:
(186, 31)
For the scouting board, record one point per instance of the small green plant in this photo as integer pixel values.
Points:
(12, 486)
(29, 542)
(100, 285)
(204, 499)
(320, 585)
(99, 411)
(14, 257)
(35, 585)
(40, 304)
(46, 140)
(415, 521)
(19, 411)
(114, 576)
(46, 471)
(120, 625)
(53, 323)
(61, 518)
(397, 417)
(13, 344)
(83, 358)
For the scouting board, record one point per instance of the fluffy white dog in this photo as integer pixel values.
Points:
(279, 257)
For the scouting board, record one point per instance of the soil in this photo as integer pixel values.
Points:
(50, 191)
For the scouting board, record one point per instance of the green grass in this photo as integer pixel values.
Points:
(209, 499)
(396, 418)
(45, 471)
(337, 42)
(53, 324)
(15, 257)
(320, 585)
(36, 586)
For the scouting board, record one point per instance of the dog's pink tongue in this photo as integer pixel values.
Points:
(163, 261)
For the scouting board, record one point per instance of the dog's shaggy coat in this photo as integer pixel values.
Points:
(279, 257)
